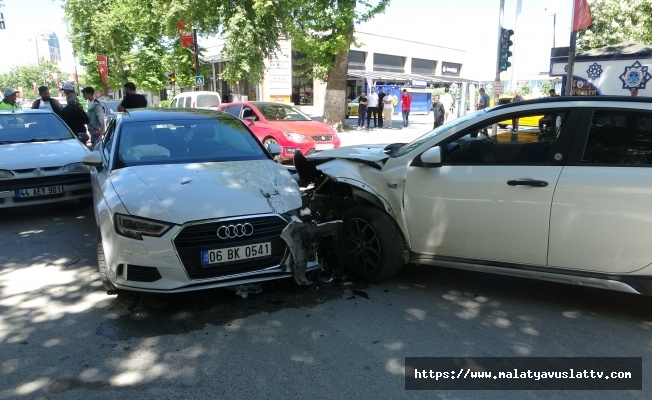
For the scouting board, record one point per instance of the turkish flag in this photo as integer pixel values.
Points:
(185, 35)
(103, 67)
(581, 15)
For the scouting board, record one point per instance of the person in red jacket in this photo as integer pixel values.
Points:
(406, 102)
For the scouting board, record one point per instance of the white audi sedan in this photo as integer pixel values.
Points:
(40, 160)
(187, 200)
(566, 201)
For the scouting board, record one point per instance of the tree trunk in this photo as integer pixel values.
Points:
(335, 103)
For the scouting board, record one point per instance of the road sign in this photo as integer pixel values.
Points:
(199, 81)
(498, 87)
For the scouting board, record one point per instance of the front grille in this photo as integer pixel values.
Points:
(43, 181)
(322, 138)
(192, 239)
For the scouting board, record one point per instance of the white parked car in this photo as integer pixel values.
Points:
(40, 160)
(187, 200)
(199, 99)
(568, 201)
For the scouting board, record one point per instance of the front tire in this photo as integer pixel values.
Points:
(103, 268)
(371, 243)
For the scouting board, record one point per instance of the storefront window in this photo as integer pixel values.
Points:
(302, 85)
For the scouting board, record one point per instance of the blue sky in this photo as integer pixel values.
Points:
(471, 25)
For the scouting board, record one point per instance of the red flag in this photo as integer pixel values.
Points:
(103, 67)
(581, 15)
(185, 35)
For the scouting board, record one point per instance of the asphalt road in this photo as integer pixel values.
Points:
(62, 337)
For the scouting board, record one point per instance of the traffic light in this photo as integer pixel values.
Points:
(505, 53)
(173, 79)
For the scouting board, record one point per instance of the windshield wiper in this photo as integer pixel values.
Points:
(6, 141)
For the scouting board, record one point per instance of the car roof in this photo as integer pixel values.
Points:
(197, 92)
(163, 113)
(579, 101)
(26, 111)
(258, 103)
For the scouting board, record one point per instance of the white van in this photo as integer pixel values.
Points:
(205, 100)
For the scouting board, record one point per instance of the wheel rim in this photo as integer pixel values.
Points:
(362, 246)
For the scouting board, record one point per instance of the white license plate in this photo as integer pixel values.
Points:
(236, 253)
(42, 191)
(324, 146)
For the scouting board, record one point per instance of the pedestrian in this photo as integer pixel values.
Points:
(438, 111)
(75, 117)
(517, 98)
(548, 121)
(483, 103)
(95, 114)
(362, 109)
(406, 105)
(45, 102)
(447, 102)
(68, 88)
(372, 107)
(634, 92)
(9, 100)
(388, 109)
(131, 99)
(381, 106)
(296, 97)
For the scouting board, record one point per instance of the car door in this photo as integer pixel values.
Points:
(491, 197)
(601, 217)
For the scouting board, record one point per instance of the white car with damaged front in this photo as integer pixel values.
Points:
(567, 201)
(188, 200)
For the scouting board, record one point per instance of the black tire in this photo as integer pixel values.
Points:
(371, 244)
(102, 268)
(269, 140)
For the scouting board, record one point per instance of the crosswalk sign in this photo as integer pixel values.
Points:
(199, 81)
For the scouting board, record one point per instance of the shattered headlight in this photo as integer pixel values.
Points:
(76, 167)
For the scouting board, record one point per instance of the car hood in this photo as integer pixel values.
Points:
(41, 154)
(302, 127)
(365, 153)
(188, 192)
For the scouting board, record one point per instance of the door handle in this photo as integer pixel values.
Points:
(528, 183)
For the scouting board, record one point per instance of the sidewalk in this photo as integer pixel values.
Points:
(419, 124)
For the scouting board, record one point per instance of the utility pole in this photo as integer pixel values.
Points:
(501, 14)
(196, 51)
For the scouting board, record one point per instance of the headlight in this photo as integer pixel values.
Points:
(135, 228)
(4, 174)
(296, 137)
(76, 167)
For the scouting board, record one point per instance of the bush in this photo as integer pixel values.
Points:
(165, 103)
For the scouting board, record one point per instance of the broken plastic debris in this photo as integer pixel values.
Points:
(305, 211)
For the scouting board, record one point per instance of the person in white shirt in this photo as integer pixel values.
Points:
(46, 102)
(447, 101)
(388, 109)
(372, 107)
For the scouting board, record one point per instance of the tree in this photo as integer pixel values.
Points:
(30, 77)
(617, 21)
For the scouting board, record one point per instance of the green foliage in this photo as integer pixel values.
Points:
(617, 21)
(29, 77)
(165, 103)
(526, 89)
(545, 88)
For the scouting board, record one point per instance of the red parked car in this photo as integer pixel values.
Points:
(283, 124)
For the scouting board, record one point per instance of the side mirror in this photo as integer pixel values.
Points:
(274, 149)
(250, 119)
(432, 157)
(93, 159)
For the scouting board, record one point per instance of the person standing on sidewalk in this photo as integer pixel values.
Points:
(517, 97)
(372, 108)
(388, 109)
(362, 109)
(483, 103)
(438, 111)
(381, 106)
(45, 102)
(447, 102)
(9, 101)
(406, 105)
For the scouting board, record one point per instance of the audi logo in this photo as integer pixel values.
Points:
(235, 231)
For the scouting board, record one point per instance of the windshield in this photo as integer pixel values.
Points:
(406, 148)
(28, 127)
(281, 112)
(186, 141)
